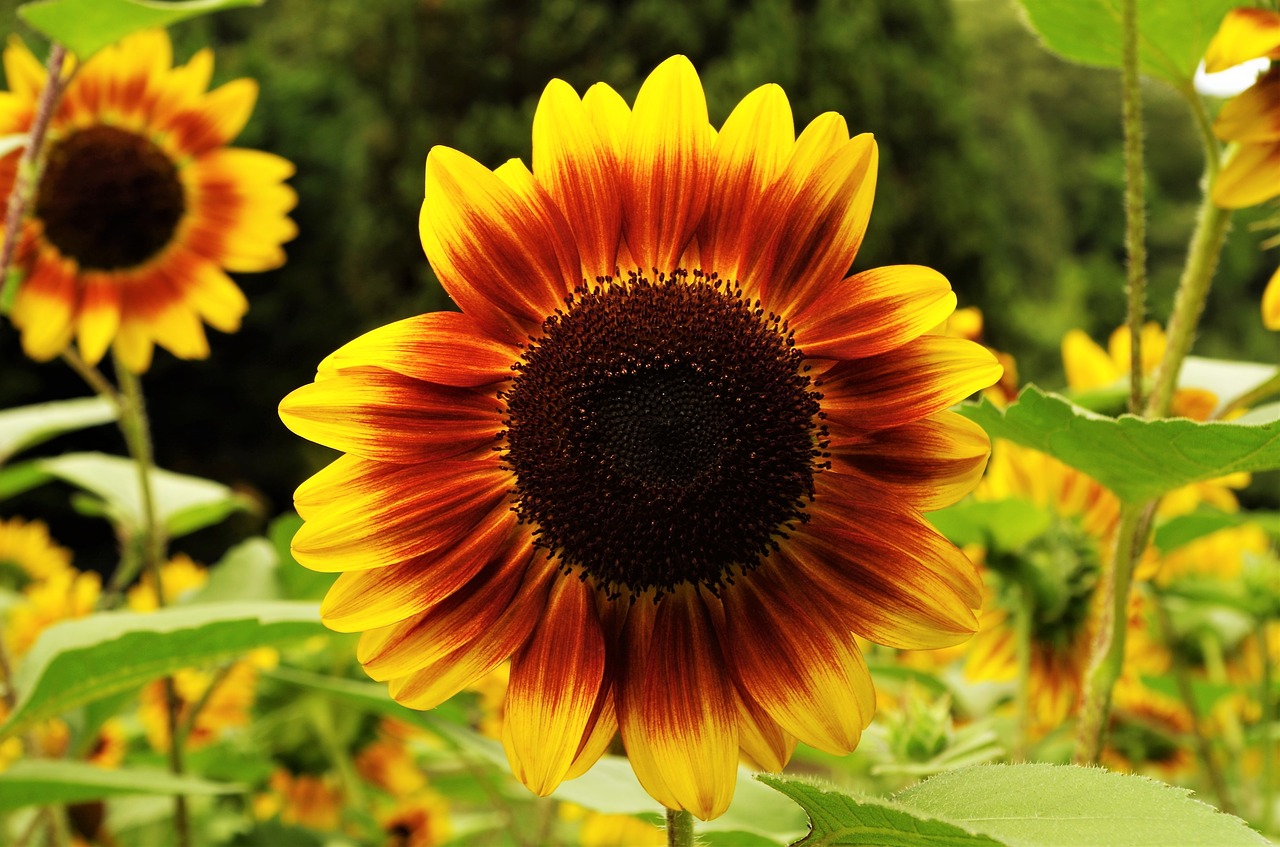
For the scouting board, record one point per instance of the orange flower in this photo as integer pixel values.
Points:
(141, 206)
(667, 457)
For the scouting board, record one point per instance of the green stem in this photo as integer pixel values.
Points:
(28, 164)
(1268, 702)
(679, 828)
(1204, 749)
(1135, 207)
(1210, 234)
(1107, 661)
(137, 435)
(1252, 397)
(1024, 615)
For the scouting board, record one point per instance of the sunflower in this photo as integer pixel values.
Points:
(667, 459)
(28, 554)
(141, 207)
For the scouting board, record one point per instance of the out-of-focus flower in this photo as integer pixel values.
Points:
(600, 830)
(64, 595)
(1148, 733)
(142, 206)
(180, 575)
(418, 821)
(645, 318)
(224, 698)
(1220, 554)
(28, 554)
(312, 801)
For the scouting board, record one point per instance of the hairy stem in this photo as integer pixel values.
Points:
(679, 828)
(1135, 204)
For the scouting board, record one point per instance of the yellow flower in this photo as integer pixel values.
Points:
(28, 554)
(315, 802)
(226, 706)
(601, 830)
(666, 458)
(1220, 554)
(142, 206)
(418, 821)
(179, 576)
(65, 595)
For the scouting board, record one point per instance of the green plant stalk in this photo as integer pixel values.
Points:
(1135, 204)
(1252, 397)
(1268, 703)
(137, 435)
(1107, 660)
(1204, 749)
(1210, 234)
(1025, 614)
(29, 163)
(321, 715)
(679, 828)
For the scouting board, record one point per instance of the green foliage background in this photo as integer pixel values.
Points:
(1000, 166)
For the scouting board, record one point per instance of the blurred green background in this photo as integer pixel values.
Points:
(1000, 165)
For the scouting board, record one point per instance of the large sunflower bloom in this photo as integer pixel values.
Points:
(141, 207)
(669, 493)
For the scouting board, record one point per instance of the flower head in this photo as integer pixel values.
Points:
(667, 459)
(142, 206)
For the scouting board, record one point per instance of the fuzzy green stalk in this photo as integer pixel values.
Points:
(1023, 620)
(1107, 660)
(1135, 204)
(1268, 701)
(1204, 748)
(1210, 234)
(137, 435)
(679, 828)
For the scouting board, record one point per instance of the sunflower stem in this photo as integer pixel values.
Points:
(1252, 397)
(679, 828)
(94, 377)
(1268, 702)
(1025, 615)
(1108, 648)
(1135, 206)
(1204, 749)
(25, 181)
(1210, 234)
(137, 435)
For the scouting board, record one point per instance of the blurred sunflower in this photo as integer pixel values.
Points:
(418, 821)
(28, 554)
(65, 595)
(141, 206)
(668, 456)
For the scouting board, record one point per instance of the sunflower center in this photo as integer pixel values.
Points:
(109, 198)
(662, 432)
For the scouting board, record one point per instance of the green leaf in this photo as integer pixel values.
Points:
(42, 782)
(86, 26)
(28, 426)
(76, 662)
(1137, 459)
(183, 503)
(15, 479)
(1066, 806)
(1003, 524)
(838, 819)
(246, 572)
(1172, 36)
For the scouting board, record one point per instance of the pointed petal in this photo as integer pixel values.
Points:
(382, 415)
(368, 599)
(688, 714)
(215, 120)
(603, 727)
(581, 174)
(1087, 365)
(633, 662)
(1243, 35)
(99, 317)
(792, 657)
(666, 167)
(1250, 177)
(22, 70)
(1271, 303)
(1252, 115)
(873, 312)
(816, 221)
(911, 382)
(556, 683)
(765, 745)
(507, 258)
(442, 347)
(43, 310)
(392, 513)
(931, 463)
(609, 114)
(437, 682)
(750, 152)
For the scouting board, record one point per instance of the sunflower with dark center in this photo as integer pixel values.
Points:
(141, 207)
(669, 458)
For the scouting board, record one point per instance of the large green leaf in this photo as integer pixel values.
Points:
(183, 503)
(1172, 34)
(841, 820)
(1067, 806)
(76, 662)
(246, 572)
(27, 426)
(1137, 459)
(86, 26)
(41, 782)
(1006, 525)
